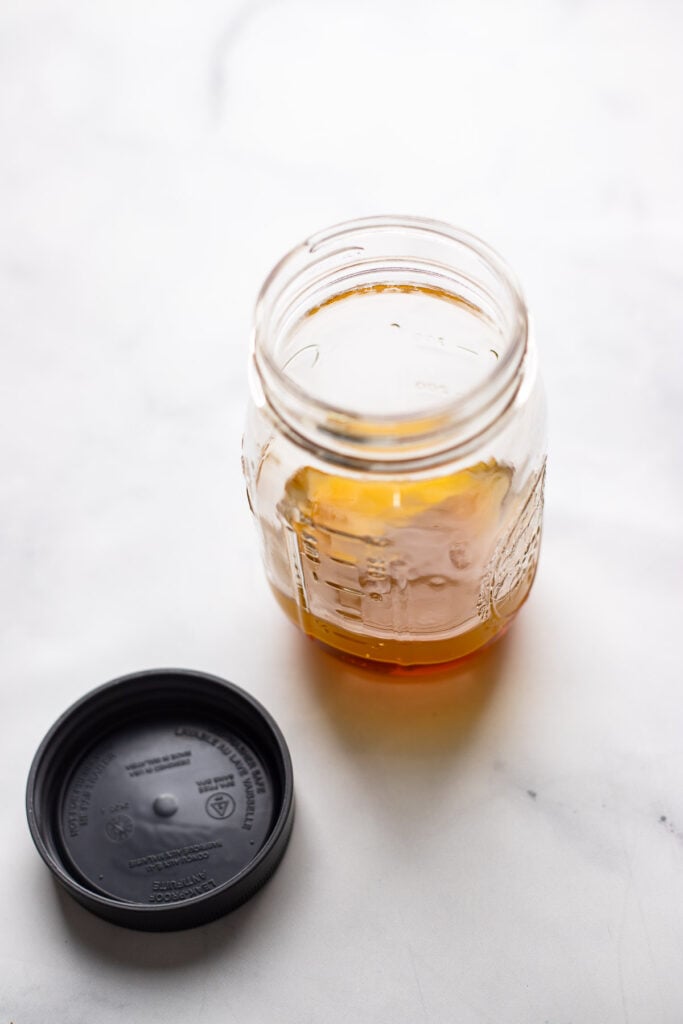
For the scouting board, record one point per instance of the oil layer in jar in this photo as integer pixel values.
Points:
(409, 572)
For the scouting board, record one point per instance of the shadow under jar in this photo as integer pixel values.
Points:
(395, 443)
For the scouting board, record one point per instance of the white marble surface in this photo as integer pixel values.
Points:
(502, 847)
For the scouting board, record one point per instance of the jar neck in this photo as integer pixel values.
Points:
(400, 255)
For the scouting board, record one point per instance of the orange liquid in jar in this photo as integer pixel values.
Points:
(409, 572)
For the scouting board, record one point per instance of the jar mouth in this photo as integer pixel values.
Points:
(403, 264)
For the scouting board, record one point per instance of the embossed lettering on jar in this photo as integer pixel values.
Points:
(395, 444)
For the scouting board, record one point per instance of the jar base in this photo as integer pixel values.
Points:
(389, 654)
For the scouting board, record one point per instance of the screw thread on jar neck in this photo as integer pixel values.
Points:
(408, 261)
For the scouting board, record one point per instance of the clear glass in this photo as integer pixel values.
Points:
(395, 448)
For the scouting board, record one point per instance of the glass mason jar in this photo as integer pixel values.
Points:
(395, 447)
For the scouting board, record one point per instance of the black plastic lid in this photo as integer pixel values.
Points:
(163, 799)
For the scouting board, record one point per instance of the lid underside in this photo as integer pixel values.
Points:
(162, 800)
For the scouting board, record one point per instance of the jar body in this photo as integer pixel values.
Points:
(408, 561)
(354, 570)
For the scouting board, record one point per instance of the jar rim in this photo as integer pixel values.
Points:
(452, 422)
